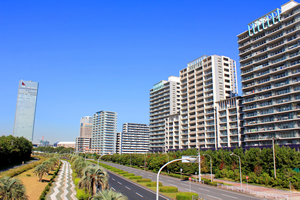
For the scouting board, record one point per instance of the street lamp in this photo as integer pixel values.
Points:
(232, 154)
(199, 165)
(210, 167)
(273, 147)
(99, 158)
(157, 178)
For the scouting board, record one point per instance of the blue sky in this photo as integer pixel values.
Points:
(105, 55)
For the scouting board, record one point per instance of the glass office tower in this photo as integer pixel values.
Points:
(25, 110)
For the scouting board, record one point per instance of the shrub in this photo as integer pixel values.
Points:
(123, 172)
(153, 184)
(186, 195)
(168, 189)
(213, 183)
(135, 177)
(129, 174)
(28, 174)
(76, 181)
(81, 195)
(143, 180)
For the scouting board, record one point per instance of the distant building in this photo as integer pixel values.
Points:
(104, 133)
(44, 143)
(134, 138)
(86, 127)
(118, 145)
(66, 144)
(83, 142)
(25, 110)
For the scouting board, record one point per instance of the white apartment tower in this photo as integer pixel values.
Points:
(104, 134)
(204, 82)
(270, 69)
(164, 101)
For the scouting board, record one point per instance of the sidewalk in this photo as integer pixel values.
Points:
(295, 194)
(63, 187)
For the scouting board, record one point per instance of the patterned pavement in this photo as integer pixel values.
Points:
(63, 188)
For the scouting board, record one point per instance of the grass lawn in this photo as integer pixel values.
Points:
(34, 188)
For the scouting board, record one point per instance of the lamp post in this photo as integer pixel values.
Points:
(232, 154)
(210, 167)
(157, 178)
(145, 161)
(99, 158)
(199, 165)
(273, 147)
(130, 160)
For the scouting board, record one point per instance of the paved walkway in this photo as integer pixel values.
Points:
(63, 188)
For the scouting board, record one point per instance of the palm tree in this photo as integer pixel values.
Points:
(109, 195)
(79, 167)
(12, 189)
(94, 176)
(41, 170)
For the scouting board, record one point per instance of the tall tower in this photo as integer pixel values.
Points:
(25, 110)
(104, 134)
(86, 127)
(164, 101)
(270, 70)
(204, 82)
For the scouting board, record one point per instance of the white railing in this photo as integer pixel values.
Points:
(249, 191)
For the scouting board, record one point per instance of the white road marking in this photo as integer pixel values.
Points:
(229, 196)
(189, 189)
(113, 179)
(173, 184)
(139, 194)
(214, 196)
(128, 188)
(203, 189)
(113, 188)
(119, 183)
(184, 184)
(170, 181)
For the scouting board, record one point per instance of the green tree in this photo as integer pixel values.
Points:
(109, 195)
(12, 189)
(94, 176)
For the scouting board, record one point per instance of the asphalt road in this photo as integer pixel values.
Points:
(204, 191)
(132, 190)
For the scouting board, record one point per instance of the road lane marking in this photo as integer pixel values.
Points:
(229, 196)
(189, 189)
(170, 181)
(119, 183)
(113, 188)
(173, 184)
(113, 179)
(184, 184)
(214, 197)
(128, 188)
(139, 194)
(203, 189)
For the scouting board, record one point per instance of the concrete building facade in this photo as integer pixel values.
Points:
(270, 71)
(204, 82)
(164, 101)
(86, 127)
(134, 138)
(104, 133)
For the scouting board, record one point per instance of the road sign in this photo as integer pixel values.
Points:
(247, 177)
(190, 178)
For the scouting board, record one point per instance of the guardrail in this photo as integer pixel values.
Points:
(249, 191)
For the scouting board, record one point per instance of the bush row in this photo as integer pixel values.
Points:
(23, 168)
(186, 196)
(47, 188)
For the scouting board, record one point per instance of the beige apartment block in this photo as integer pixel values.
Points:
(172, 132)
(230, 122)
(270, 69)
(164, 101)
(204, 82)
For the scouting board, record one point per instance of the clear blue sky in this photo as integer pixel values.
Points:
(105, 55)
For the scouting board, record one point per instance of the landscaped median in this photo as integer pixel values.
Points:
(168, 191)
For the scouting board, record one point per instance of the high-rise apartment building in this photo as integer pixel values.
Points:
(172, 132)
(270, 70)
(204, 82)
(104, 134)
(164, 101)
(134, 138)
(86, 127)
(118, 145)
(83, 145)
(25, 110)
(230, 129)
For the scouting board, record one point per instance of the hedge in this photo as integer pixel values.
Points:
(123, 172)
(129, 174)
(153, 184)
(186, 195)
(135, 177)
(81, 195)
(144, 180)
(168, 189)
